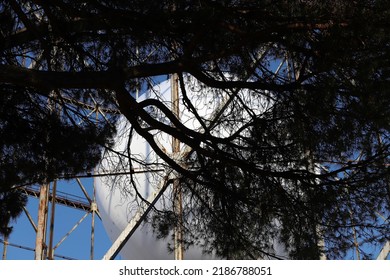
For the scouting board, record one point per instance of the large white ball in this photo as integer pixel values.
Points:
(116, 197)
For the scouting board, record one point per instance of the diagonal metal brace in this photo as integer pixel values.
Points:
(138, 218)
(384, 252)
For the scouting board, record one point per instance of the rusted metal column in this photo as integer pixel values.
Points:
(179, 247)
(51, 236)
(5, 245)
(41, 227)
(177, 193)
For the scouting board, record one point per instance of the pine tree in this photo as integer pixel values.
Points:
(293, 171)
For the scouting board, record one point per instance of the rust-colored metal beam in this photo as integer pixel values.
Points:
(51, 232)
(73, 203)
(137, 219)
(40, 241)
(384, 253)
(177, 193)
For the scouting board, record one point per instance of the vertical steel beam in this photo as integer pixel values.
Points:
(177, 193)
(5, 245)
(41, 227)
(178, 208)
(53, 207)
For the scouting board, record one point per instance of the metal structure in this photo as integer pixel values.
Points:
(49, 198)
(178, 203)
(137, 220)
(144, 207)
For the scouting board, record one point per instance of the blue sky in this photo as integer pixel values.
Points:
(77, 245)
